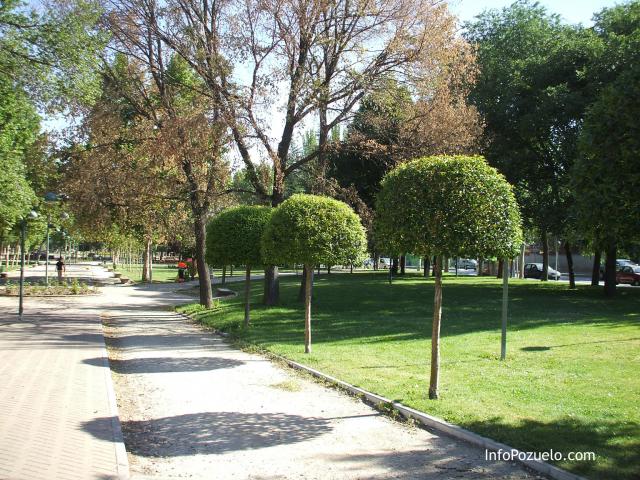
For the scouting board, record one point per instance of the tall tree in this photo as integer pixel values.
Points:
(190, 136)
(607, 175)
(19, 126)
(309, 57)
(531, 92)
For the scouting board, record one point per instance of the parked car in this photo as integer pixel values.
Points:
(620, 262)
(467, 263)
(629, 274)
(534, 270)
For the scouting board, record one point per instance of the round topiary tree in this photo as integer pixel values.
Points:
(233, 237)
(311, 230)
(447, 206)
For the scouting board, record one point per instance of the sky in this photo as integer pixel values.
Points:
(572, 11)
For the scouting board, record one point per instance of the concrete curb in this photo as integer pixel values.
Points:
(424, 418)
(122, 462)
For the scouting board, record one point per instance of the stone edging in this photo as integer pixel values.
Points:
(122, 461)
(424, 418)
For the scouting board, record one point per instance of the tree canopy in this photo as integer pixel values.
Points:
(234, 236)
(454, 206)
(310, 230)
(531, 91)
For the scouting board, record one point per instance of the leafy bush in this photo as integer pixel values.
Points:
(55, 288)
(310, 230)
(233, 236)
(454, 206)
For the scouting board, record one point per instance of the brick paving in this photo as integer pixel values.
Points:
(58, 419)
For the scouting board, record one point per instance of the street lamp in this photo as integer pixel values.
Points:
(23, 233)
(51, 197)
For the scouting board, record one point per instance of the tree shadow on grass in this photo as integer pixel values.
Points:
(166, 364)
(615, 443)
(362, 305)
(211, 432)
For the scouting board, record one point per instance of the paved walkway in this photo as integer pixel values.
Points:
(189, 405)
(58, 414)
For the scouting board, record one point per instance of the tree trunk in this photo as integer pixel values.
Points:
(146, 277)
(271, 286)
(206, 296)
(307, 308)
(224, 275)
(247, 296)
(595, 272)
(544, 276)
(505, 308)
(433, 267)
(394, 266)
(16, 254)
(403, 264)
(303, 284)
(328, 269)
(480, 266)
(435, 332)
(426, 267)
(610, 270)
(500, 268)
(572, 273)
(151, 262)
(521, 266)
(271, 294)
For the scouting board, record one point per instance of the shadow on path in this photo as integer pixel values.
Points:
(166, 364)
(212, 432)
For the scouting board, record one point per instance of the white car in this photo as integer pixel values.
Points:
(467, 263)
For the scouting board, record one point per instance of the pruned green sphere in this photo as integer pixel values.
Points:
(234, 235)
(448, 205)
(312, 230)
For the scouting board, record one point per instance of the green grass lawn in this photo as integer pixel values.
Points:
(570, 382)
(161, 273)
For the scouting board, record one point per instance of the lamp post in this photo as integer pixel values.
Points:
(23, 233)
(51, 197)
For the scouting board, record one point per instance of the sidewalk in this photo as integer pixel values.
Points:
(59, 417)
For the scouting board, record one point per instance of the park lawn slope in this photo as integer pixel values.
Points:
(570, 382)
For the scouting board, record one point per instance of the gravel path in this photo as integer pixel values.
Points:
(193, 407)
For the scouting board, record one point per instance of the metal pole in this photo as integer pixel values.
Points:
(505, 305)
(557, 242)
(46, 262)
(22, 248)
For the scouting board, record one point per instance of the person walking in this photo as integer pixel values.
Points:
(61, 268)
